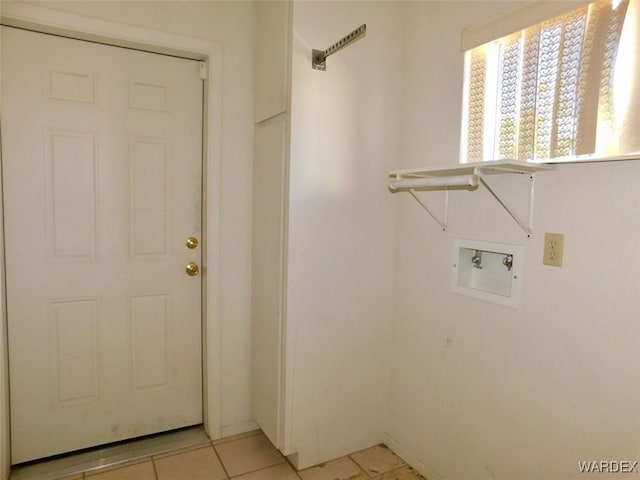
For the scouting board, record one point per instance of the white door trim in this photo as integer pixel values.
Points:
(85, 28)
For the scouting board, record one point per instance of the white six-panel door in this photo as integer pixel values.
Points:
(102, 172)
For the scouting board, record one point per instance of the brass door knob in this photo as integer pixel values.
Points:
(192, 269)
(192, 242)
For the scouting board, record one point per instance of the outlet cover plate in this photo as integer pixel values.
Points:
(553, 249)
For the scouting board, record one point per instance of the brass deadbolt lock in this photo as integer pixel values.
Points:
(192, 242)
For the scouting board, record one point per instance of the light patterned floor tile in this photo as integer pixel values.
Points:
(200, 464)
(139, 471)
(341, 469)
(402, 473)
(282, 471)
(377, 460)
(248, 454)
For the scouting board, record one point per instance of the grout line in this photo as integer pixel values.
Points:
(224, 469)
(239, 436)
(252, 434)
(259, 469)
(155, 470)
(362, 469)
(295, 470)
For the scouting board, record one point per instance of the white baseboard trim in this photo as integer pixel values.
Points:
(410, 458)
(237, 428)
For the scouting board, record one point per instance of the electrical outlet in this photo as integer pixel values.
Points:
(553, 249)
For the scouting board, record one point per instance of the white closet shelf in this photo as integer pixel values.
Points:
(492, 167)
(468, 176)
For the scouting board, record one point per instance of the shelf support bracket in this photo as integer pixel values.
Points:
(467, 177)
(319, 57)
(442, 223)
(526, 227)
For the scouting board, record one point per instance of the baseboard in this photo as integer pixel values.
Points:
(237, 428)
(410, 458)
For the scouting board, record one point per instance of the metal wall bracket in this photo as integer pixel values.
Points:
(526, 227)
(319, 57)
(445, 220)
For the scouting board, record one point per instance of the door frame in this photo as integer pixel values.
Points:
(40, 19)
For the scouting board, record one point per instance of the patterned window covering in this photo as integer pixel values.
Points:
(548, 91)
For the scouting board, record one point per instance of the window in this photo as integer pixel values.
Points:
(566, 88)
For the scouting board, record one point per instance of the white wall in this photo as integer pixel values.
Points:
(481, 391)
(477, 391)
(230, 23)
(5, 461)
(344, 140)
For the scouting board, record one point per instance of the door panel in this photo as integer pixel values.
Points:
(102, 172)
(266, 328)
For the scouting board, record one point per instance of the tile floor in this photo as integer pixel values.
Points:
(251, 456)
